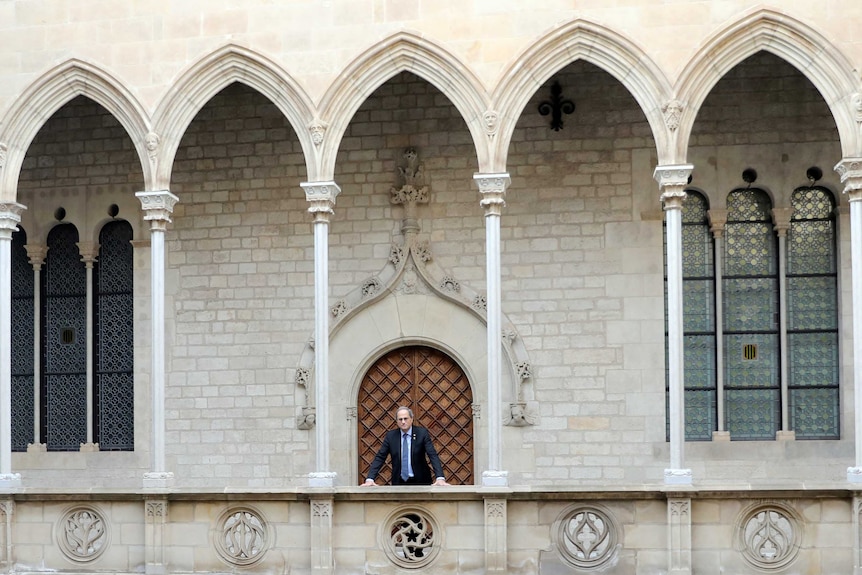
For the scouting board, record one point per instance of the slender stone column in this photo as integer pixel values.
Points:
(781, 223)
(321, 199)
(89, 251)
(717, 223)
(672, 181)
(36, 254)
(10, 216)
(493, 190)
(850, 170)
(158, 207)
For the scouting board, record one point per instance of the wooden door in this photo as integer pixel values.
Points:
(435, 387)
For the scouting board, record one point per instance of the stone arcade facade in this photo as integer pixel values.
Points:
(611, 257)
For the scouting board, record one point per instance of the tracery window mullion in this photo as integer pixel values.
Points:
(114, 339)
(23, 374)
(750, 318)
(812, 316)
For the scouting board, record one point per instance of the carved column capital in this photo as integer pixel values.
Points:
(781, 220)
(36, 253)
(717, 222)
(672, 181)
(321, 198)
(850, 171)
(493, 189)
(89, 252)
(10, 217)
(158, 207)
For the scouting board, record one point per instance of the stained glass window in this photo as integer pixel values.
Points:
(64, 342)
(22, 344)
(751, 310)
(698, 285)
(812, 316)
(114, 393)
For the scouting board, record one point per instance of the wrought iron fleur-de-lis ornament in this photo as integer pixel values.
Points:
(556, 106)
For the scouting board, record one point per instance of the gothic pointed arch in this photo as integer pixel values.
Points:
(580, 40)
(798, 44)
(403, 52)
(211, 74)
(48, 94)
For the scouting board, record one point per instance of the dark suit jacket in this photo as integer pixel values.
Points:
(420, 447)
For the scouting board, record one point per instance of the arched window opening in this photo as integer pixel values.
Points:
(64, 343)
(750, 318)
(812, 315)
(435, 387)
(22, 344)
(114, 339)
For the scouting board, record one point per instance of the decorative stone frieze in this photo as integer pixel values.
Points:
(241, 536)
(768, 535)
(586, 536)
(410, 538)
(82, 534)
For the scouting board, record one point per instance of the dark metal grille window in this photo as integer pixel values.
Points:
(22, 344)
(812, 316)
(698, 285)
(114, 393)
(750, 314)
(64, 382)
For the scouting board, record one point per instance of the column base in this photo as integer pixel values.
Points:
(721, 436)
(10, 480)
(37, 448)
(89, 448)
(158, 480)
(854, 474)
(785, 436)
(322, 479)
(677, 476)
(495, 478)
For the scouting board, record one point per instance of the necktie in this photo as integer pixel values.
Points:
(405, 458)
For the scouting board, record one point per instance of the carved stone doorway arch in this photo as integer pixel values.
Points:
(435, 387)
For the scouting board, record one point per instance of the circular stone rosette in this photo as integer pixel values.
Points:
(82, 534)
(411, 537)
(585, 536)
(769, 535)
(241, 536)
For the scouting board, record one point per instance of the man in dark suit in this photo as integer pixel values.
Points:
(408, 447)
